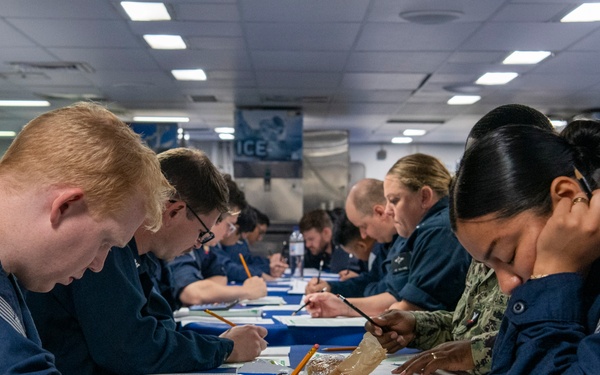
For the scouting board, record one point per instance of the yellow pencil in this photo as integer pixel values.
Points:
(245, 265)
(305, 359)
(220, 317)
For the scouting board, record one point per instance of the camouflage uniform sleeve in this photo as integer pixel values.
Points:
(432, 328)
(481, 350)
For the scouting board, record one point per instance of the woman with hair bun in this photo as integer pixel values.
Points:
(518, 205)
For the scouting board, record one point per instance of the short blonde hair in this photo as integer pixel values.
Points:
(418, 170)
(85, 145)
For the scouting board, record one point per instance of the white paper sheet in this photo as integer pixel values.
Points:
(212, 320)
(308, 321)
(278, 288)
(250, 312)
(281, 308)
(268, 300)
(298, 286)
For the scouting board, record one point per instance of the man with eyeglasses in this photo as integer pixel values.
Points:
(114, 322)
(200, 276)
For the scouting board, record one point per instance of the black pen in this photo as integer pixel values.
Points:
(360, 312)
(348, 266)
(306, 304)
(320, 269)
(584, 184)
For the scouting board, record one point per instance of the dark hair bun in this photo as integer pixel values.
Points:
(584, 136)
(509, 114)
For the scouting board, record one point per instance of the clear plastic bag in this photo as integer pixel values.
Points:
(324, 364)
(364, 359)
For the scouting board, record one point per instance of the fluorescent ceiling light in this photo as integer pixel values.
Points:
(7, 133)
(225, 130)
(402, 140)
(558, 123)
(24, 103)
(463, 99)
(226, 136)
(414, 132)
(165, 41)
(526, 57)
(161, 119)
(189, 74)
(139, 11)
(496, 78)
(587, 12)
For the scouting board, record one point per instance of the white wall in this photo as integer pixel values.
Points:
(367, 155)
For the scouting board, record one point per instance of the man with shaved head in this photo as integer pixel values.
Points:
(365, 208)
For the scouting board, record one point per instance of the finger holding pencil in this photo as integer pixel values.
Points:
(306, 303)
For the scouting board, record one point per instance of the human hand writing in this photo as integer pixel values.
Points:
(248, 342)
(400, 329)
(254, 287)
(314, 287)
(326, 305)
(449, 356)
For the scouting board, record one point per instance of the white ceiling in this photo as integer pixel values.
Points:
(350, 64)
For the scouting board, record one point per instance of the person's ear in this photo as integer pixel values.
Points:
(172, 209)
(379, 210)
(69, 202)
(327, 233)
(426, 194)
(563, 187)
(361, 247)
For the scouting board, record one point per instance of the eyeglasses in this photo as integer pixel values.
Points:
(205, 236)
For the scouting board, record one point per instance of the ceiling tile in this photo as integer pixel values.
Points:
(565, 62)
(300, 80)
(414, 37)
(205, 12)
(382, 81)
(305, 11)
(404, 62)
(105, 58)
(305, 61)
(113, 33)
(526, 36)
(304, 37)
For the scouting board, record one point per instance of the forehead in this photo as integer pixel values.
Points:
(392, 184)
(477, 236)
(312, 233)
(482, 235)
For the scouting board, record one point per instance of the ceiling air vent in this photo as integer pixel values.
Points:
(52, 66)
(203, 98)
